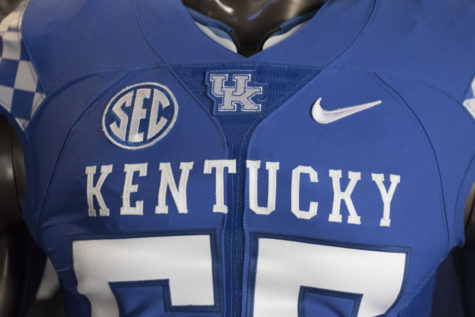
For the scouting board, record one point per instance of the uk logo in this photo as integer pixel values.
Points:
(140, 115)
(235, 92)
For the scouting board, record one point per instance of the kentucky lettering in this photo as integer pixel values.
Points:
(178, 189)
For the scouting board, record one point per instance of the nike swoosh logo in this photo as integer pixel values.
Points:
(328, 116)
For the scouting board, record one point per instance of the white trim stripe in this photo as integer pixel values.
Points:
(227, 43)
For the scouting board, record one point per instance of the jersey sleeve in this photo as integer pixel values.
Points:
(20, 90)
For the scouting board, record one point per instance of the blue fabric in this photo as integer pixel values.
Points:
(280, 83)
(420, 304)
(9, 68)
(316, 302)
(412, 61)
(150, 299)
(21, 104)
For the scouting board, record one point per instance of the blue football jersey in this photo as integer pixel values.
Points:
(169, 176)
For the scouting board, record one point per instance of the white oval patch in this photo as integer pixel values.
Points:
(140, 115)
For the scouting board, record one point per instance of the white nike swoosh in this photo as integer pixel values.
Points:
(328, 116)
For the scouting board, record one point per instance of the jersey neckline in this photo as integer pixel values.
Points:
(173, 34)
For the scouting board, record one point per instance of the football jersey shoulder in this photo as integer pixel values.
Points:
(54, 52)
(20, 90)
(69, 39)
(423, 53)
(48, 44)
(429, 40)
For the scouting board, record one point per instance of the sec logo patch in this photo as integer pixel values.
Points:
(140, 115)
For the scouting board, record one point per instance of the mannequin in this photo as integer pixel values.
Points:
(252, 20)
(21, 262)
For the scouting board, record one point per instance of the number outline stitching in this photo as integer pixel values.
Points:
(215, 260)
(254, 251)
(304, 290)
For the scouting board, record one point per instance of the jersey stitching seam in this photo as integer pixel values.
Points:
(467, 115)
(440, 259)
(416, 291)
(370, 16)
(42, 202)
(442, 192)
(143, 29)
(28, 52)
(202, 107)
(403, 76)
(78, 75)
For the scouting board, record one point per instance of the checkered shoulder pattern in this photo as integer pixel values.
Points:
(20, 91)
(469, 102)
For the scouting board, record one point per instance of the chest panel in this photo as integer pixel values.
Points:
(330, 194)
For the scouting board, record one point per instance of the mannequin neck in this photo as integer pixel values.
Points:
(253, 21)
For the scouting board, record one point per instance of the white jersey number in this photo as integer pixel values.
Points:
(185, 261)
(283, 268)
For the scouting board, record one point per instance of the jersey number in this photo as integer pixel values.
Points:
(284, 268)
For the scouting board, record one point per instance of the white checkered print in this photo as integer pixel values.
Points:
(469, 103)
(20, 93)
